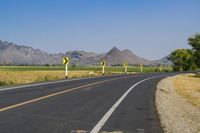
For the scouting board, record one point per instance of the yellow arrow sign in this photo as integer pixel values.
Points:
(141, 65)
(65, 60)
(160, 67)
(103, 63)
(125, 64)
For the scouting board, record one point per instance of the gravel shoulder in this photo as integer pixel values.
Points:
(176, 114)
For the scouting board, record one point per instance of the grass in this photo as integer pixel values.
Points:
(31, 68)
(188, 86)
(25, 77)
(11, 75)
(88, 68)
(197, 75)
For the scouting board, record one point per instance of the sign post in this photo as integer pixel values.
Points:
(125, 66)
(66, 62)
(160, 67)
(170, 68)
(103, 63)
(141, 67)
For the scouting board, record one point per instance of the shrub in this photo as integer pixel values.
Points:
(4, 83)
(197, 75)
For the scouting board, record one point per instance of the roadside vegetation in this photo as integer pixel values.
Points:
(183, 59)
(25, 77)
(175, 104)
(187, 59)
(12, 75)
(188, 86)
(178, 97)
(96, 69)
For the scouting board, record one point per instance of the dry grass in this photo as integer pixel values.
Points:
(24, 77)
(188, 86)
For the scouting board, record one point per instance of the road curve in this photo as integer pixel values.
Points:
(113, 103)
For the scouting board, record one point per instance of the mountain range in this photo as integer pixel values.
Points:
(116, 56)
(13, 54)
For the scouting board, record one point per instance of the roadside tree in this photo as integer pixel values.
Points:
(183, 59)
(194, 41)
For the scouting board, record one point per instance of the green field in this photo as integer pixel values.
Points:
(12, 75)
(108, 69)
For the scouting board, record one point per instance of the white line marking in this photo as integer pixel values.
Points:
(103, 120)
(54, 82)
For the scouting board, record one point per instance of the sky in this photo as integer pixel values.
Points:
(150, 28)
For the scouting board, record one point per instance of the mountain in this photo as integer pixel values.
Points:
(13, 54)
(116, 57)
(165, 61)
(80, 57)
(22, 55)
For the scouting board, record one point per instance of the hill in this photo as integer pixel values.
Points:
(80, 57)
(165, 61)
(13, 54)
(116, 57)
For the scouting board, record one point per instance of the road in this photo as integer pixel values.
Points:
(112, 103)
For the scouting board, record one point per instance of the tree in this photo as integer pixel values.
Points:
(182, 59)
(194, 41)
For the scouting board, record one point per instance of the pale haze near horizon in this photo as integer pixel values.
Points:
(151, 29)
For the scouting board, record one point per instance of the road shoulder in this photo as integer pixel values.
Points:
(176, 114)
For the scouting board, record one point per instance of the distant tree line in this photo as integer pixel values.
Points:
(187, 59)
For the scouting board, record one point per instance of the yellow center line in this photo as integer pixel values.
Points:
(55, 94)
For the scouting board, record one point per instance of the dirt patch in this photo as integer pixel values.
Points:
(177, 115)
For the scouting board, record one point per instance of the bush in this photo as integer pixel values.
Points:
(4, 83)
(166, 70)
(46, 78)
(197, 75)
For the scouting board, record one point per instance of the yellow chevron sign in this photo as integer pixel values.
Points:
(125, 64)
(103, 63)
(141, 65)
(65, 60)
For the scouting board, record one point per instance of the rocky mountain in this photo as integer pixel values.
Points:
(13, 54)
(165, 61)
(116, 57)
(80, 57)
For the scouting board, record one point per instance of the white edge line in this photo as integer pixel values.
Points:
(52, 82)
(103, 120)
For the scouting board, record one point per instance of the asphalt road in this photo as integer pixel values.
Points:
(112, 103)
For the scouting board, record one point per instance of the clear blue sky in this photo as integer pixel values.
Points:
(150, 28)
